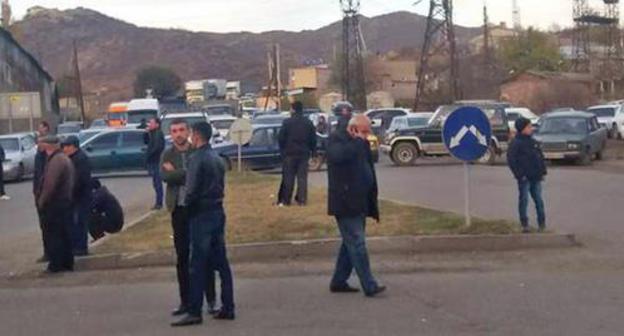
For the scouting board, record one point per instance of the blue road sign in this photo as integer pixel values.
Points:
(467, 133)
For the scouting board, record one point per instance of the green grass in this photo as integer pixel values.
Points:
(253, 217)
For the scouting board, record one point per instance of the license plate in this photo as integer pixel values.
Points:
(554, 155)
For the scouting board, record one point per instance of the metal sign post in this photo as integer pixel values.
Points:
(241, 131)
(240, 151)
(467, 134)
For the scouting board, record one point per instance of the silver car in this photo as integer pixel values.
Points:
(20, 150)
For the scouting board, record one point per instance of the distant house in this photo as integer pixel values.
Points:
(544, 91)
(21, 73)
(397, 77)
(498, 34)
(315, 77)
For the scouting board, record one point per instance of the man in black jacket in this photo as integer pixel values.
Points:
(43, 130)
(526, 162)
(155, 147)
(297, 141)
(352, 198)
(205, 185)
(82, 194)
(3, 195)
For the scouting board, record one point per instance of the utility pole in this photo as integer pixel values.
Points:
(6, 14)
(78, 83)
(353, 50)
(517, 19)
(439, 44)
(274, 88)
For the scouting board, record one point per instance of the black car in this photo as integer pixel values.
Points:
(261, 152)
(405, 146)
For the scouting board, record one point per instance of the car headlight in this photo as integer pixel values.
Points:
(573, 146)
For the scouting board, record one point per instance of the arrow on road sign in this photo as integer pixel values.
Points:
(457, 139)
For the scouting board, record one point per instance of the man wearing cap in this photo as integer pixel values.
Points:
(43, 129)
(526, 161)
(82, 194)
(54, 199)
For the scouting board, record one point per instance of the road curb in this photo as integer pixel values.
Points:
(327, 248)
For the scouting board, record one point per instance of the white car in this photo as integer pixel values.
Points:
(382, 118)
(20, 150)
(514, 113)
(610, 117)
(222, 123)
(190, 118)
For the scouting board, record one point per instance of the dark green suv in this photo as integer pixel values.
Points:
(405, 146)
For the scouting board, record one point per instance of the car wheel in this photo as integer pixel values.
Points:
(405, 154)
(489, 158)
(316, 162)
(600, 155)
(20, 173)
(585, 159)
(613, 132)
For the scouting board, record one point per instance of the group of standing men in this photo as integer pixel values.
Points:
(62, 191)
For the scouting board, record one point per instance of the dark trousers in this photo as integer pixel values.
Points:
(181, 241)
(353, 254)
(153, 168)
(295, 168)
(80, 229)
(57, 224)
(208, 252)
(2, 191)
(533, 188)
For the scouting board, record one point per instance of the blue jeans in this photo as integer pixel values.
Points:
(353, 254)
(534, 188)
(79, 237)
(153, 168)
(208, 252)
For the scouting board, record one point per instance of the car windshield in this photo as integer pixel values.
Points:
(166, 123)
(415, 122)
(66, 129)
(10, 144)
(117, 116)
(222, 124)
(563, 126)
(136, 117)
(217, 110)
(603, 112)
(495, 115)
(84, 136)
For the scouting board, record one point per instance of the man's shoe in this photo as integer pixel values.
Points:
(343, 289)
(187, 320)
(378, 290)
(224, 315)
(179, 311)
(5, 198)
(212, 308)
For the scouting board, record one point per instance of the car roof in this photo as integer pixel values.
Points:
(222, 117)
(603, 106)
(569, 114)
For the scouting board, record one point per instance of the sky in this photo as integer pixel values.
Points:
(295, 15)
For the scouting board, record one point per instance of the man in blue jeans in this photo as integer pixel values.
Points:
(205, 184)
(155, 147)
(352, 198)
(526, 161)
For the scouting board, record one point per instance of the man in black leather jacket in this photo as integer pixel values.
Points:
(352, 198)
(205, 184)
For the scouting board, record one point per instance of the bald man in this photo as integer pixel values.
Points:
(352, 198)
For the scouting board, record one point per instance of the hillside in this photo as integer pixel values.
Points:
(111, 51)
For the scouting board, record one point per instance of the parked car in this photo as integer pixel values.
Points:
(406, 146)
(98, 123)
(412, 120)
(514, 113)
(610, 117)
(382, 118)
(87, 134)
(114, 150)
(222, 124)
(571, 136)
(269, 119)
(261, 152)
(20, 150)
(69, 128)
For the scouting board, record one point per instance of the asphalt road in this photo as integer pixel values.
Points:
(20, 241)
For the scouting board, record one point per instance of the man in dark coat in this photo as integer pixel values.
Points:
(43, 130)
(155, 147)
(205, 190)
(55, 204)
(297, 141)
(106, 212)
(3, 195)
(526, 161)
(82, 194)
(175, 163)
(352, 197)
